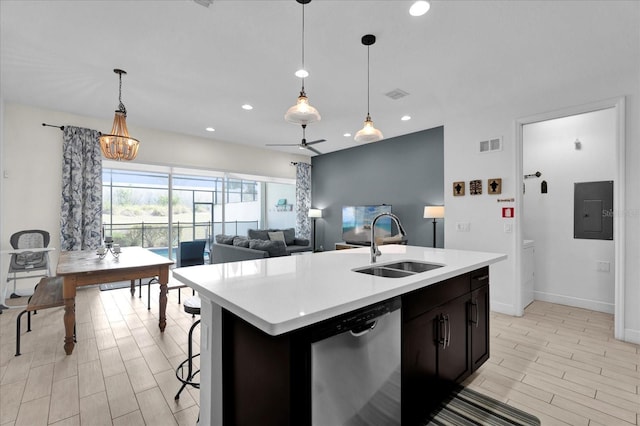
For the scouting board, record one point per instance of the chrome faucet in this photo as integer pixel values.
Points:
(374, 248)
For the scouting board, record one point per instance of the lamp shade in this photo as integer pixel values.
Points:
(368, 133)
(315, 213)
(434, 212)
(302, 112)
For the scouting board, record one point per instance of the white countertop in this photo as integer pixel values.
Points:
(282, 294)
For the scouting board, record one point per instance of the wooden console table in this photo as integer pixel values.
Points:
(80, 268)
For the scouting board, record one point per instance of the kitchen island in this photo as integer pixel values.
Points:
(258, 316)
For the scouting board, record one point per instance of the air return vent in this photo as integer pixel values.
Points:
(494, 144)
(396, 94)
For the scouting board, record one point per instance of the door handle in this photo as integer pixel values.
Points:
(482, 277)
(477, 318)
(362, 330)
(448, 332)
(442, 338)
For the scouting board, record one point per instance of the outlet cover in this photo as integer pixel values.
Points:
(604, 266)
(463, 226)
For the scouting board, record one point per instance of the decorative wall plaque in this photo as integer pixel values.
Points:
(494, 186)
(475, 187)
(458, 189)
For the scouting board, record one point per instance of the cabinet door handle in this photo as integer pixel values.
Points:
(442, 338)
(447, 330)
(482, 278)
(474, 303)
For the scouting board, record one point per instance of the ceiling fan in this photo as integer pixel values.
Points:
(302, 145)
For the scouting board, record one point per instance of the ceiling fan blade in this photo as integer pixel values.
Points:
(314, 142)
(281, 144)
(313, 149)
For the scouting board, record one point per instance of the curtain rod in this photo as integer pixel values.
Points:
(295, 163)
(51, 125)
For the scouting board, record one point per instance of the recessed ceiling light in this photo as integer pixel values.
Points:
(419, 8)
(405, 118)
(302, 73)
(210, 129)
(347, 135)
(247, 107)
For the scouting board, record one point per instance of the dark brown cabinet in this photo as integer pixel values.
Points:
(445, 337)
(479, 319)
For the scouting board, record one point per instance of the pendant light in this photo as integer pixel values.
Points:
(302, 112)
(118, 145)
(368, 133)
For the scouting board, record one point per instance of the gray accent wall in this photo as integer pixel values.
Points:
(406, 172)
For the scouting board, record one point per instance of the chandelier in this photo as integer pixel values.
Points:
(118, 145)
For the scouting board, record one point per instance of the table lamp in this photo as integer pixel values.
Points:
(434, 212)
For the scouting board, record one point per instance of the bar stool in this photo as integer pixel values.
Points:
(191, 306)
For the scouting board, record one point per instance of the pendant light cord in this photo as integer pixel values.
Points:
(368, 68)
(121, 107)
(303, 46)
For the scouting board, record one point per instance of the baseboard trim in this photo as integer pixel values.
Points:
(503, 308)
(593, 305)
(632, 336)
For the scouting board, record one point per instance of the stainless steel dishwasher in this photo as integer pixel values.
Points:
(355, 368)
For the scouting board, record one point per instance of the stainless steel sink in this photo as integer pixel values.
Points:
(381, 271)
(400, 269)
(413, 266)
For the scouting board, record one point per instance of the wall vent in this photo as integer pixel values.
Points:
(396, 94)
(490, 145)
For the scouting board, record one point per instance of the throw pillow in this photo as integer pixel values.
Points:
(289, 235)
(277, 236)
(225, 239)
(241, 242)
(258, 234)
(274, 248)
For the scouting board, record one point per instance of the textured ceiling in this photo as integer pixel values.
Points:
(190, 67)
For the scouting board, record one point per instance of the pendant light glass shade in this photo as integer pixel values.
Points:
(302, 112)
(118, 145)
(368, 133)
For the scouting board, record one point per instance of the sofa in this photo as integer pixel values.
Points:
(258, 244)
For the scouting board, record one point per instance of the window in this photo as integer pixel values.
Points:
(139, 205)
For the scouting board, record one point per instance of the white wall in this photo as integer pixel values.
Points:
(32, 157)
(464, 130)
(566, 268)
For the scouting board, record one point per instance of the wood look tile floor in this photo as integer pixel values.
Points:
(558, 363)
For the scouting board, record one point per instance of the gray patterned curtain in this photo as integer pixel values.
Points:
(303, 200)
(81, 214)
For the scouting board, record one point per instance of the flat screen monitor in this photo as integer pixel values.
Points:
(356, 223)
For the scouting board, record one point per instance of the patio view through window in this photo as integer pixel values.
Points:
(138, 207)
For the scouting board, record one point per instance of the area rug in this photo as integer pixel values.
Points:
(465, 407)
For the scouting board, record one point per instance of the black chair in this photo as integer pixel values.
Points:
(190, 253)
